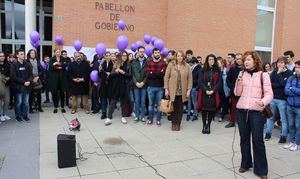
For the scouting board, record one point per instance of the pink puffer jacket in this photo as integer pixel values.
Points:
(249, 90)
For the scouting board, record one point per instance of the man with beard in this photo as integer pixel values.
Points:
(155, 72)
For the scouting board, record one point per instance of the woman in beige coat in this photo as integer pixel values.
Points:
(178, 84)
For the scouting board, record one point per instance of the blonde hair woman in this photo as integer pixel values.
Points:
(178, 84)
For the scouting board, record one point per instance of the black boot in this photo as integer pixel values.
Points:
(103, 115)
(208, 129)
(204, 129)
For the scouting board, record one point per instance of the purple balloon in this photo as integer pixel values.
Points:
(100, 49)
(147, 38)
(165, 52)
(133, 47)
(148, 50)
(77, 45)
(139, 43)
(122, 42)
(94, 76)
(153, 40)
(121, 24)
(36, 44)
(59, 40)
(34, 36)
(43, 64)
(159, 44)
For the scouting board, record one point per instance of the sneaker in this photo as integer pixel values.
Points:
(30, 111)
(294, 147)
(2, 118)
(123, 120)
(107, 121)
(63, 110)
(229, 125)
(195, 118)
(136, 119)
(47, 101)
(87, 112)
(73, 111)
(267, 137)
(55, 110)
(143, 119)
(26, 119)
(282, 140)
(133, 114)
(220, 119)
(7, 118)
(288, 145)
(18, 119)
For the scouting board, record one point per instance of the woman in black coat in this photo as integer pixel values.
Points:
(119, 78)
(209, 98)
(58, 79)
(104, 70)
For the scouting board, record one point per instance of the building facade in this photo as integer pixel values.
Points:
(216, 26)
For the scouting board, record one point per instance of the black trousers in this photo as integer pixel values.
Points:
(176, 116)
(224, 105)
(35, 94)
(207, 117)
(58, 96)
(251, 123)
(95, 99)
(112, 106)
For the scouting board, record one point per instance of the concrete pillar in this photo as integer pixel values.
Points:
(30, 22)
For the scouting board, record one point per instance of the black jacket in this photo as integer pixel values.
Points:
(17, 83)
(197, 74)
(104, 78)
(278, 82)
(5, 70)
(79, 70)
(232, 77)
(119, 83)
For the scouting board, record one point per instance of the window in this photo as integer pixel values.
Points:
(265, 17)
(12, 22)
(6, 25)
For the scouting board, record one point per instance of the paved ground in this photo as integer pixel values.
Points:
(135, 150)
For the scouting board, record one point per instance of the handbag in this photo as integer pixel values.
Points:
(166, 106)
(38, 85)
(267, 112)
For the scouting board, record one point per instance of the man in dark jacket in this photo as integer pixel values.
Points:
(21, 76)
(231, 78)
(79, 75)
(138, 71)
(292, 90)
(278, 81)
(197, 75)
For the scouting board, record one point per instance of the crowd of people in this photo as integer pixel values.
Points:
(239, 86)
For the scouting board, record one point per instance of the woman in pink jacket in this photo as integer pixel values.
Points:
(250, 119)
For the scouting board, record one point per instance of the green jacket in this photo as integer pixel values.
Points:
(58, 77)
(138, 72)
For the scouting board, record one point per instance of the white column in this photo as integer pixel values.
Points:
(30, 22)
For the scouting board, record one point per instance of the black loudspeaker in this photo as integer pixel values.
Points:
(66, 150)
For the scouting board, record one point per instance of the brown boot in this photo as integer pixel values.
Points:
(173, 127)
(178, 126)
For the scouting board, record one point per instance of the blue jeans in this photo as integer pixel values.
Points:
(140, 98)
(280, 105)
(193, 101)
(293, 114)
(154, 95)
(251, 124)
(22, 104)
